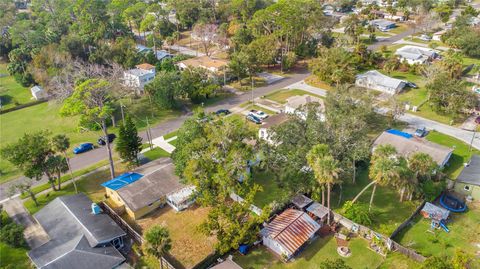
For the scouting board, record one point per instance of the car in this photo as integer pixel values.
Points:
(412, 85)
(223, 112)
(83, 148)
(101, 140)
(425, 37)
(253, 119)
(477, 120)
(258, 113)
(421, 132)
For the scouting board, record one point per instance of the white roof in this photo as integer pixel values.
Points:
(380, 79)
(415, 52)
(36, 89)
(138, 72)
(181, 195)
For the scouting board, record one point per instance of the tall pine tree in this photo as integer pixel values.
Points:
(129, 143)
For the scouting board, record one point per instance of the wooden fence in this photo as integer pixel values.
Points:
(137, 238)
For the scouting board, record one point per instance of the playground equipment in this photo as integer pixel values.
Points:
(453, 204)
(442, 224)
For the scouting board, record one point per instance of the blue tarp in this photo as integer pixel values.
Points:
(122, 181)
(399, 133)
(243, 249)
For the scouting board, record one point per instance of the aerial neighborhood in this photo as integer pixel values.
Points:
(229, 134)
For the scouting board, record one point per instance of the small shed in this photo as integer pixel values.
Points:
(38, 93)
(318, 212)
(301, 201)
(431, 211)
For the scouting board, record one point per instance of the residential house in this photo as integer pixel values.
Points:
(163, 55)
(437, 36)
(407, 144)
(468, 182)
(416, 54)
(301, 201)
(38, 93)
(141, 194)
(265, 131)
(375, 80)
(79, 237)
(383, 25)
(295, 102)
(398, 16)
(227, 264)
(138, 77)
(215, 66)
(288, 232)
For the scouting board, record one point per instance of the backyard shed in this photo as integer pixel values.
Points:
(318, 212)
(468, 182)
(38, 93)
(288, 232)
(431, 211)
(301, 201)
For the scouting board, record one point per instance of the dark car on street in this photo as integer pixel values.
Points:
(83, 148)
(421, 132)
(102, 141)
(223, 112)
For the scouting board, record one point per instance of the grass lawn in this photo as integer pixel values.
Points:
(189, 245)
(399, 29)
(461, 153)
(281, 96)
(170, 135)
(156, 153)
(396, 260)
(463, 235)
(313, 254)
(12, 93)
(246, 84)
(13, 257)
(413, 96)
(90, 185)
(248, 106)
(389, 213)
(313, 80)
(271, 191)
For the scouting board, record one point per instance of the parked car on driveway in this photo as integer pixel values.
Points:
(258, 113)
(412, 85)
(83, 148)
(421, 132)
(253, 119)
(223, 111)
(101, 140)
(425, 37)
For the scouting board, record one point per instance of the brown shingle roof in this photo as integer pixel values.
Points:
(407, 146)
(274, 120)
(151, 187)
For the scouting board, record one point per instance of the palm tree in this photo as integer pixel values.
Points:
(157, 242)
(61, 143)
(325, 168)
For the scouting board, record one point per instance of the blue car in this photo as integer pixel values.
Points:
(83, 148)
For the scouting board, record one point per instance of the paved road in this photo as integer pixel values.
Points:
(94, 156)
(390, 40)
(413, 120)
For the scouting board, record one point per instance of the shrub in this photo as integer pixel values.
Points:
(357, 212)
(12, 234)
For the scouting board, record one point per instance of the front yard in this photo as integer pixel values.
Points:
(461, 153)
(12, 93)
(463, 235)
(281, 96)
(189, 244)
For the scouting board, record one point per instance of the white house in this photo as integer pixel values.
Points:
(265, 131)
(383, 25)
(138, 77)
(375, 80)
(38, 93)
(437, 36)
(213, 65)
(288, 232)
(416, 54)
(295, 102)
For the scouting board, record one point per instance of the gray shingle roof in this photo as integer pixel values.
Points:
(471, 173)
(415, 52)
(378, 79)
(151, 187)
(74, 233)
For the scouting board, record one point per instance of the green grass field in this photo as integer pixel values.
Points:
(12, 93)
(271, 191)
(13, 257)
(463, 235)
(315, 253)
(461, 153)
(156, 153)
(282, 95)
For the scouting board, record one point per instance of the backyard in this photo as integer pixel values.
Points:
(12, 93)
(189, 244)
(319, 251)
(271, 190)
(463, 234)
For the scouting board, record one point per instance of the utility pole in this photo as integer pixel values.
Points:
(471, 142)
(253, 100)
(149, 136)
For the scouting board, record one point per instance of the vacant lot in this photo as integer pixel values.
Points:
(463, 235)
(281, 96)
(189, 244)
(12, 93)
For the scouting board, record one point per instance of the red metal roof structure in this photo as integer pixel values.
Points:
(291, 229)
